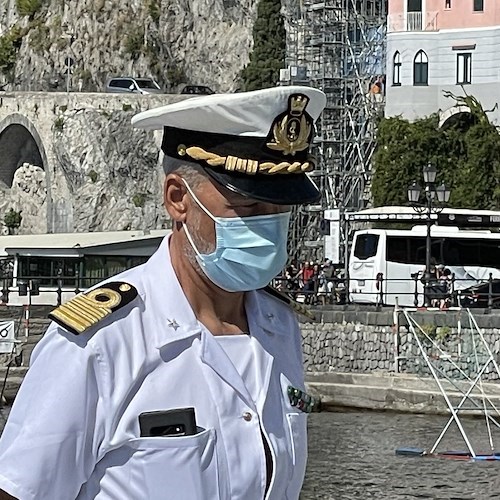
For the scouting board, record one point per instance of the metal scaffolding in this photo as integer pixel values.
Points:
(339, 47)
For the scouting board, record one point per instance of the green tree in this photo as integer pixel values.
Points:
(268, 54)
(12, 220)
(402, 151)
(466, 154)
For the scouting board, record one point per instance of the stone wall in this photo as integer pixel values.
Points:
(368, 342)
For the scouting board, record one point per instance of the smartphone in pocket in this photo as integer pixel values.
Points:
(175, 422)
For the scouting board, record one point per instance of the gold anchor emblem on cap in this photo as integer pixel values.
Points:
(292, 131)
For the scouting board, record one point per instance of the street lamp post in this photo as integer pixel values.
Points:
(431, 193)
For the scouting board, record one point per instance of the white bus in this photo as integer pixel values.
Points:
(382, 261)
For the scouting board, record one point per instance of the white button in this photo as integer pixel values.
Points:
(247, 416)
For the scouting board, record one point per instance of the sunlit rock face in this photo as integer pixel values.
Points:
(84, 168)
(175, 41)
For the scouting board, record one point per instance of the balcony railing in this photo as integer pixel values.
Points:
(413, 21)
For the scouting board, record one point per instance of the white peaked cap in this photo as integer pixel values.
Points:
(242, 114)
(254, 143)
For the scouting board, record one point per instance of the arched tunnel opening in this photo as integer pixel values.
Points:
(17, 146)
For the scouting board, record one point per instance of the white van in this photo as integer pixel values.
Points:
(130, 85)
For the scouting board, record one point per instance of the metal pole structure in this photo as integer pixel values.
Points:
(462, 401)
(27, 313)
(395, 322)
(441, 389)
(428, 246)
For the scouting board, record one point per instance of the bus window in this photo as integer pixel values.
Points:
(397, 249)
(366, 246)
(411, 249)
(436, 250)
(472, 252)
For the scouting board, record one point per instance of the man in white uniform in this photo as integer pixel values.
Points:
(182, 378)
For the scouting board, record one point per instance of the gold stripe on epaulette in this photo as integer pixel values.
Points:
(87, 309)
(81, 313)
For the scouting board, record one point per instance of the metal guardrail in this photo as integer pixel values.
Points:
(34, 285)
(477, 293)
(319, 291)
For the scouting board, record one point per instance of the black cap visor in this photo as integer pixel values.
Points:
(279, 189)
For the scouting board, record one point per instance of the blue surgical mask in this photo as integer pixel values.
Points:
(249, 252)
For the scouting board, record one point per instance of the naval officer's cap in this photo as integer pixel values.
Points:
(254, 143)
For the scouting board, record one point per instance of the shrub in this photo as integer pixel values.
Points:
(134, 43)
(12, 220)
(10, 43)
(39, 38)
(428, 329)
(466, 154)
(126, 106)
(93, 176)
(139, 199)
(154, 10)
(28, 7)
(442, 333)
(59, 123)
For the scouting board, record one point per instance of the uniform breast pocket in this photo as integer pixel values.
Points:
(181, 467)
(297, 424)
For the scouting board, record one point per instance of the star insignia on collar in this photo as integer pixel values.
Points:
(173, 324)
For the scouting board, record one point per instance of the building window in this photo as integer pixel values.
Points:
(421, 69)
(478, 5)
(464, 68)
(396, 69)
(447, 4)
(414, 6)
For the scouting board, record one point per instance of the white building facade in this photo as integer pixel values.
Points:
(435, 46)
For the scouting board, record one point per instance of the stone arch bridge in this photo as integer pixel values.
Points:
(27, 124)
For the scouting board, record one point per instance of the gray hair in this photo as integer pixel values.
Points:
(191, 172)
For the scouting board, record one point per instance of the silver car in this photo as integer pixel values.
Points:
(130, 85)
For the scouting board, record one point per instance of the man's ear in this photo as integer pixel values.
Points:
(174, 197)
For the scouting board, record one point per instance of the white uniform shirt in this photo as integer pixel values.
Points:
(73, 431)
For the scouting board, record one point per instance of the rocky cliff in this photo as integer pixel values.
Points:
(175, 41)
(79, 166)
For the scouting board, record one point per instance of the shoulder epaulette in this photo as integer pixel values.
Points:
(87, 309)
(296, 306)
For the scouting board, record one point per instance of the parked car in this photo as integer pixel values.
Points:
(130, 85)
(197, 89)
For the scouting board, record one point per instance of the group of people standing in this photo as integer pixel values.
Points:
(319, 283)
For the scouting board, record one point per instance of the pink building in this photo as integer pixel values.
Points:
(439, 45)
